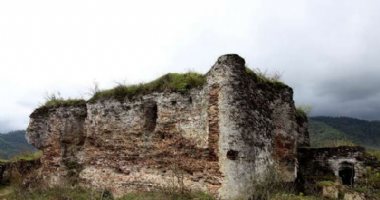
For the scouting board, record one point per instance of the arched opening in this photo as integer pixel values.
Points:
(347, 173)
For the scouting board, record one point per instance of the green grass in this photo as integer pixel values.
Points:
(301, 114)
(369, 184)
(60, 102)
(325, 183)
(55, 101)
(294, 197)
(167, 196)
(374, 152)
(58, 193)
(172, 82)
(28, 156)
(80, 193)
(265, 79)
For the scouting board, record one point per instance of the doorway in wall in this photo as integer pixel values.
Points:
(347, 173)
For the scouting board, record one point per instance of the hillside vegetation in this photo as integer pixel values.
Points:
(13, 144)
(338, 131)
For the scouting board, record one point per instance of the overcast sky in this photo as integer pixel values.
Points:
(328, 51)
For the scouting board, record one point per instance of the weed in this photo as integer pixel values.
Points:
(263, 78)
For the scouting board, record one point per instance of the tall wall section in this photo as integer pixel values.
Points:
(219, 138)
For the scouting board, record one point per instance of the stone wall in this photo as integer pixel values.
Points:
(325, 164)
(219, 138)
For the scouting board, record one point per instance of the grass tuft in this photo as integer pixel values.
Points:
(54, 100)
(263, 78)
(300, 113)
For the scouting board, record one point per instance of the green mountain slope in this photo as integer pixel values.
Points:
(336, 131)
(14, 143)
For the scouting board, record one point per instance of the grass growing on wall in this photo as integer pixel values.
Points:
(172, 82)
(55, 100)
(266, 79)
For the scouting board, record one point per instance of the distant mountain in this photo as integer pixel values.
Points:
(335, 131)
(14, 143)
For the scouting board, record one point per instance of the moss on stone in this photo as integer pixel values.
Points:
(325, 183)
(172, 82)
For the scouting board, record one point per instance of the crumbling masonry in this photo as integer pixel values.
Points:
(218, 138)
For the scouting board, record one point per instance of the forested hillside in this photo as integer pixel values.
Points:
(336, 131)
(14, 143)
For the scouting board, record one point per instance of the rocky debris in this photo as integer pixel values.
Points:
(330, 192)
(353, 196)
(219, 137)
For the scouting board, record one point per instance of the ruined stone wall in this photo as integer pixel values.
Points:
(324, 164)
(258, 129)
(219, 138)
(59, 133)
(150, 142)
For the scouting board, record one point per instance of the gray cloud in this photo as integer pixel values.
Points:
(326, 50)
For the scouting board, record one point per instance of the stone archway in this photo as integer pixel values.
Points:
(347, 173)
